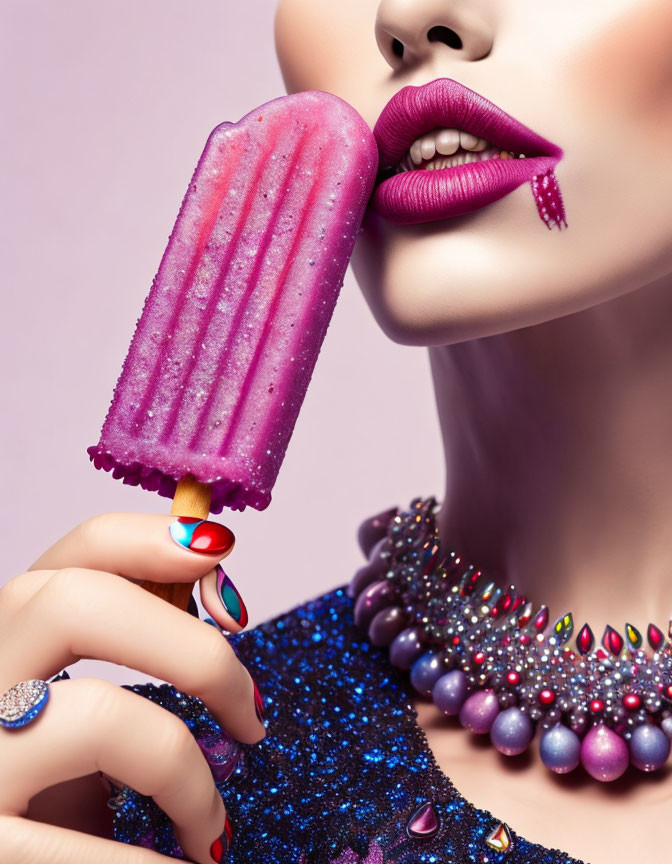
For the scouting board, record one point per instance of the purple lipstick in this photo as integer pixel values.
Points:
(407, 197)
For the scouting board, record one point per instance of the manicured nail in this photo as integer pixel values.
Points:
(231, 599)
(199, 535)
(220, 847)
(258, 703)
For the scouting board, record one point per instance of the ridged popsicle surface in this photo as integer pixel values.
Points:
(230, 332)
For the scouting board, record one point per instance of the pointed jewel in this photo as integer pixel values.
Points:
(424, 822)
(633, 636)
(563, 628)
(499, 838)
(541, 620)
(655, 637)
(525, 615)
(585, 640)
(612, 640)
(487, 592)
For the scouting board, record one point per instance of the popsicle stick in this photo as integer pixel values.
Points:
(191, 499)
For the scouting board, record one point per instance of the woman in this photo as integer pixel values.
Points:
(550, 359)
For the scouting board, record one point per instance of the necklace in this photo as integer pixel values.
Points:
(485, 654)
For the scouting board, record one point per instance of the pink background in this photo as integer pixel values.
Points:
(106, 107)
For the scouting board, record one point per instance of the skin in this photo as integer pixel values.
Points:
(550, 351)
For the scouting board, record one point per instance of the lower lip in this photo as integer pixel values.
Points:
(427, 196)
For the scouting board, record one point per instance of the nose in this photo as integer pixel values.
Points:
(411, 31)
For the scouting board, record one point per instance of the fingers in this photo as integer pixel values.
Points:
(80, 613)
(23, 841)
(90, 725)
(141, 546)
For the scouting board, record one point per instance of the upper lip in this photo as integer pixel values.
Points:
(445, 103)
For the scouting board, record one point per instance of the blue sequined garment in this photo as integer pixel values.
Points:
(344, 765)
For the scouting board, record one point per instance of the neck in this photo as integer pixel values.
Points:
(557, 444)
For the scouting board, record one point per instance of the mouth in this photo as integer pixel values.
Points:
(445, 150)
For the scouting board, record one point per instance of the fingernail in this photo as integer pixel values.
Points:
(199, 535)
(231, 599)
(220, 847)
(258, 703)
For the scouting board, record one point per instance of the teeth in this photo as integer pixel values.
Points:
(471, 142)
(461, 157)
(447, 142)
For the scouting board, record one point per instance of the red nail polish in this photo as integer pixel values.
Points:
(258, 702)
(221, 845)
(202, 536)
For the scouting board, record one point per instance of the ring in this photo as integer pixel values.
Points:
(23, 702)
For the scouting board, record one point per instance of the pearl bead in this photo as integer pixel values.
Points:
(604, 754)
(425, 672)
(406, 648)
(560, 749)
(479, 711)
(511, 731)
(649, 747)
(450, 691)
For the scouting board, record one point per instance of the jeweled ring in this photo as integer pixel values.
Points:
(23, 702)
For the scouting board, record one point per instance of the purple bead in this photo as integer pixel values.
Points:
(426, 671)
(604, 754)
(560, 749)
(479, 711)
(450, 691)
(511, 731)
(385, 625)
(376, 597)
(649, 747)
(374, 529)
(406, 648)
(369, 572)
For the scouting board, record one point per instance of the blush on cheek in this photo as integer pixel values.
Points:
(627, 69)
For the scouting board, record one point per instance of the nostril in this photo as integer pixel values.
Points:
(443, 34)
(397, 48)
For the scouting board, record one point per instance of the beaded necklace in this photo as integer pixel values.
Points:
(485, 654)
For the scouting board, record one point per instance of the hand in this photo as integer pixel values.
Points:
(82, 599)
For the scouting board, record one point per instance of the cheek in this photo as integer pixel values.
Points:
(626, 72)
(328, 45)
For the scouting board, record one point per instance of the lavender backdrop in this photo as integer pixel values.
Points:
(106, 107)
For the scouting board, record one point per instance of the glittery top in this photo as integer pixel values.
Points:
(344, 765)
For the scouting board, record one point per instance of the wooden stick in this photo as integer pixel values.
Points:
(191, 499)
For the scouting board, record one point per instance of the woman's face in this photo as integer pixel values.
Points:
(594, 78)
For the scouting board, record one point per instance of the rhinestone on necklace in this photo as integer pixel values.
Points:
(485, 654)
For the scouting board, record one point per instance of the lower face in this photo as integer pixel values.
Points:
(593, 78)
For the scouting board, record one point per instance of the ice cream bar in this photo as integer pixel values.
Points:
(230, 332)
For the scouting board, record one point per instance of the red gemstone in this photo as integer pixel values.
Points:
(546, 696)
(596, 705)
(585, 640)
(512, 677)
(456, 640)
(601, 654)
(541, 620)
(631, 701)
(655, 637)
(479, 658)
(519, 601)
(612, 640)
(211, 537)
(424, 822)
(524, 639)
(507, 601)
(668, 691)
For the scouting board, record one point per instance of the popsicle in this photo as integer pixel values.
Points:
(230, 332)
